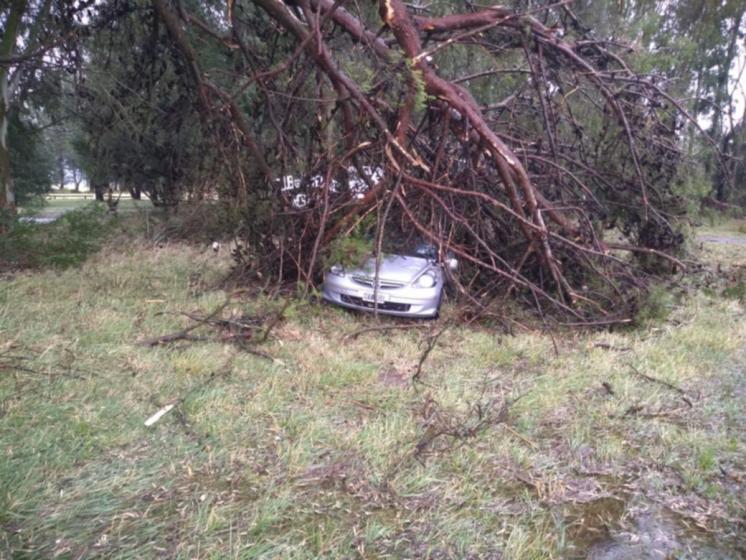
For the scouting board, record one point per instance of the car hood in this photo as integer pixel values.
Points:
(396, 268)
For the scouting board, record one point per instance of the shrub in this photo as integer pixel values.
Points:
(654, 306)
(64, 243)
(349, 251)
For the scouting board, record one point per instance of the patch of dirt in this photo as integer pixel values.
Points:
(346, 475)
(420, 539)
(392, 377)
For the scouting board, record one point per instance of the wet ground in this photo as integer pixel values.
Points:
(634, 528)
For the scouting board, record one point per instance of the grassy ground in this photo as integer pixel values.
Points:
(57, 203)
(507, 449)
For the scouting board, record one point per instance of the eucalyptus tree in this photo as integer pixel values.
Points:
(12, 17)
(39, 39)
(698, 47)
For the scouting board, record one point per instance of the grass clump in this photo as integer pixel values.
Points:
(736, 290)
(66, 242)
(655, 306)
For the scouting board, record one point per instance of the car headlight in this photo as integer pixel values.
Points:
(337, 270)
(427, 280)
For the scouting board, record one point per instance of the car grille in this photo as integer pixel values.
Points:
(384, 306)
(382, 284)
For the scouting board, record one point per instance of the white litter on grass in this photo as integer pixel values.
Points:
(158, 415)
(39, 219)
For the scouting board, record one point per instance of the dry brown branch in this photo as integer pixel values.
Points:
(652, 379)
(430, 343)
(520, 190)
(239, 331)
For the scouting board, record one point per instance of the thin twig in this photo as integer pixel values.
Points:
(431, 342)
(358, 332)
(656, 380)
(184, 334)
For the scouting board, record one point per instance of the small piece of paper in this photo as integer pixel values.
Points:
(158, 415)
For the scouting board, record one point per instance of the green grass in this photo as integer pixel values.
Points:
(57, 203)
(313, 454)
(66, 242)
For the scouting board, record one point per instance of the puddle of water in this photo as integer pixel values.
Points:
(653, 537)
(622, 528)
(591, 522)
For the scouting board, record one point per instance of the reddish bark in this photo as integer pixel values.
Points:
(518, 207)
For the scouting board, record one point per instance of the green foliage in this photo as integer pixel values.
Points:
(140, 127)
(736, 288)
(736, 291)
(349, 251)
(31, 164)
(201, 222)
(706, 459)
(654, 306)
(420, 96)
(693, 184)
(64, 243)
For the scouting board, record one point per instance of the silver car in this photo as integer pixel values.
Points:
(410, 284)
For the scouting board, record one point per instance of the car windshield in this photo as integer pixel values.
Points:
(421, 250)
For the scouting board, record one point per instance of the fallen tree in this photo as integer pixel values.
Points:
(519, 158)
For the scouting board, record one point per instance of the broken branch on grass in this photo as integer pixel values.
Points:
(671, 386)
(184, 334)
(13, 365)
(440, 422)
(606, 346)
(638, 411)
(174, 404)
(158, 415)
(431, 341)
(520, 436)
(240, 331)
(279, 316)
(240, 323)
(173, 337)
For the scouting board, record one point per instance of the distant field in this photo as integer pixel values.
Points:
(57, 203)
(605, 445)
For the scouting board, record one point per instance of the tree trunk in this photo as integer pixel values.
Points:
(7, 195)
(99, 189)
(723, 98)
(61, 170)
(7, 46)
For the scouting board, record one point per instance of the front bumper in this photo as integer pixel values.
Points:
(407, 301)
